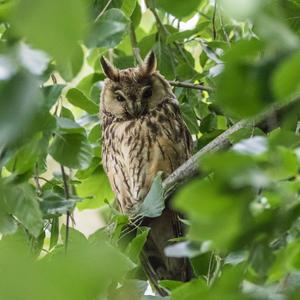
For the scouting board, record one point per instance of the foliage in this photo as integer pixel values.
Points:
(243, 236)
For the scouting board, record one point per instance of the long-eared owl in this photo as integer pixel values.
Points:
(143, 133)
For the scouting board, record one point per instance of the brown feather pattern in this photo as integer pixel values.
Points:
(140, 138)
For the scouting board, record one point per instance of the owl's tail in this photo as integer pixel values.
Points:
(156, 264)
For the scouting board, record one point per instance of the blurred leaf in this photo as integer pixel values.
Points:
(185, 249)
(209, 209)
(8, 224)
(285, 79)
(128, 7)
(287, 259)
(20, 100)
(62, 277)
(179, 8)
(57, 32)
(70, 67)
(170, 284)
(245, 133)
(21, 201)
(253, 146)
(243, 87)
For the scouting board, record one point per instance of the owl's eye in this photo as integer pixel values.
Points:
(120, 98)
(147, 93)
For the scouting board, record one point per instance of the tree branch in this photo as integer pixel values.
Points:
(191, 168)
(134, 46)
(191, 86)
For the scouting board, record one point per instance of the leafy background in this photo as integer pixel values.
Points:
(242, 214)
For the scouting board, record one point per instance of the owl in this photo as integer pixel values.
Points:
(143, 133)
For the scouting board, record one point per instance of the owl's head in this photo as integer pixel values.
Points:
(133, 92)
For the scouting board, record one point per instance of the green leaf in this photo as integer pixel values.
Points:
(195, 289)
(154, 203)
(215, 209)
(54, 232)
(285, 79)
(55, 205)
(190, 118)
(22, 202)
(71, 66)
(180, 8)
(52, 93)
(57, 31)
(283, 163)
(8, 225)
(27, 155)
(182, 35)
(77, 98)
(109, 30)
(245, 133)
(243, 88)
(20, 100)
(287, 260)
(59, 276)
(70, 146)
(87, 82)
(128, 7)
(170, 284)
(94, 190)
(136, 245)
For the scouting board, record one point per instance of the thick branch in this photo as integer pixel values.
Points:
(191, 167)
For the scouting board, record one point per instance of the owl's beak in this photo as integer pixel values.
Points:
(135, 109)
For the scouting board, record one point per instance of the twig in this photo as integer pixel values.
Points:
(191, 85)
(152, 276)
(191, 168)
(134, 46)
(223, 29)
(103, 11)
(67, 196)
(37, 182)
(166, 32)
(214, 21)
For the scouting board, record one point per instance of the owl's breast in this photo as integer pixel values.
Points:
(137, 149)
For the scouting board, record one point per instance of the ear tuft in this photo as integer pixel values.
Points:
(109, 70)
(149, 65)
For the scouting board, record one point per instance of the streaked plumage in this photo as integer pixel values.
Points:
(143, 133)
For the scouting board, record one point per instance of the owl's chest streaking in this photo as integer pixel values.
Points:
(135, 150)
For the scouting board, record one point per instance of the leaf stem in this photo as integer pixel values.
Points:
(67, 196)
(214, 21)
(103, 11)
(134, 46)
